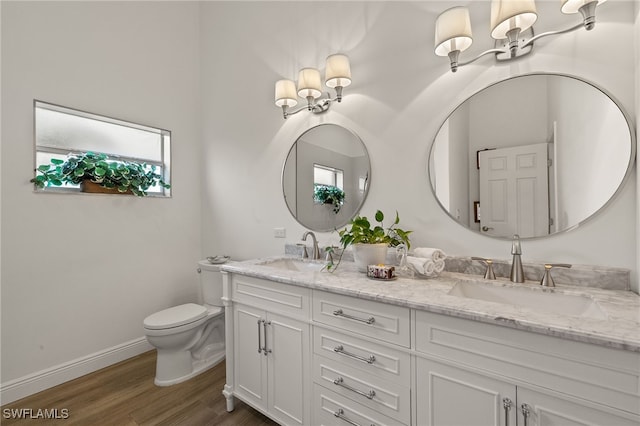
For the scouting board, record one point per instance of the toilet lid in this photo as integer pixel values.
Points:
(175, 316)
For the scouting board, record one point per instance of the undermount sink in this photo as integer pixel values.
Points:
(534, 298)
(297, 265)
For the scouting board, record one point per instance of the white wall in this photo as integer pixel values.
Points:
(400, 95)
(80, 273)
(637, 68)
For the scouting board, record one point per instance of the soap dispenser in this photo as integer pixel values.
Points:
(517, 274)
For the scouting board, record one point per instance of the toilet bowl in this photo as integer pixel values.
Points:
(189, 338)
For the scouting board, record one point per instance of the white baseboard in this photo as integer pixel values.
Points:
(45, 379)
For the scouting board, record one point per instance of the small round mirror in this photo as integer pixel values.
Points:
(325, 178)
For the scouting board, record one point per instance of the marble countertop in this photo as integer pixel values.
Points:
(619, 327)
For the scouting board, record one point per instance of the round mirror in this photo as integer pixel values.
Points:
(325, 177)
(532, 155)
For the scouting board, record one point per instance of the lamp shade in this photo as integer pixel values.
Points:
(509, 14)
(453, 31)
(338, 71)
(286, 93)
(573, 6)
(309, 83)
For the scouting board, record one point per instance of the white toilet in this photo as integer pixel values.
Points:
(190, 337)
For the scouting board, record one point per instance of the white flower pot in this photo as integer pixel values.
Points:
(369, 254)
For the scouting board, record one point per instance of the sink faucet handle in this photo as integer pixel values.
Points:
(489, 274)
(547, 279)
(303, 247)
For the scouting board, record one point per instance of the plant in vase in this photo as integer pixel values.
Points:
(328, 194)
(369, 242)
(120, 175)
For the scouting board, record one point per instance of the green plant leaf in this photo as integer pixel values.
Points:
(379, 216)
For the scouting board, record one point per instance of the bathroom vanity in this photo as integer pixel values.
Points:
(307, 347)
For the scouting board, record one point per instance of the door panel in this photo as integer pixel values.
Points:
(450, 396)
(250, 365)
(514, 191)
(288, 360)
(557, 410)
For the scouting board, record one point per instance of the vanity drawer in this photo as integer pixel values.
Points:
(385, 362)
(332, 409)
(373, 319)
(271, 295)
(592, 372)
(390, 399)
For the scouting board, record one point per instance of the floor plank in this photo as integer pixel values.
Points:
(124, 395)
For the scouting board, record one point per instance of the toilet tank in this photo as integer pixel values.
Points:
(210, 279)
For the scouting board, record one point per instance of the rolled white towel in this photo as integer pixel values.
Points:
(434, 254)
(421, 265)
(439, 266)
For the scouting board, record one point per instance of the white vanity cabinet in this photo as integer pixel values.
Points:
(312, 356)
(361, 361)
(271, 348)
(501, 376)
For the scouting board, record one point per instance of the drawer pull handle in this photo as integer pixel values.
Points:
(339, 313)
(340, 382)
(506, 404)
(340, 414)
(340, 350)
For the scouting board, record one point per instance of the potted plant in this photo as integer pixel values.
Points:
(328, 194)
(83, 169)
(370, 243)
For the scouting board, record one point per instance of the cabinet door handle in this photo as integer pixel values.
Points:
(265, 351)
(526, 412)
(340, 414)
(340, 350)
(259, 341)
(340, 313)
(506, 403)
(340, 382)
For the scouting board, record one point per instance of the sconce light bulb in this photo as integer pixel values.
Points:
(453, 58)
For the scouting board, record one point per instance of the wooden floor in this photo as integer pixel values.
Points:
(124, 395)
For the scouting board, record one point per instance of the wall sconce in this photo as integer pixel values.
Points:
(337, 76)
(510, 21)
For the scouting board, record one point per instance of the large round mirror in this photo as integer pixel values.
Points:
(325, 177)
(532, 155)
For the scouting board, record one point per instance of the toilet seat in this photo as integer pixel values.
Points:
(175, 317)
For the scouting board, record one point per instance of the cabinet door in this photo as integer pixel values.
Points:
(558, 410)
(288, 360)
(250, 364)
(448, 396)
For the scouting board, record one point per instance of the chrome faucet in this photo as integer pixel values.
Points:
(316, 249)
(517, 274)
(489, 274)
(547, 280)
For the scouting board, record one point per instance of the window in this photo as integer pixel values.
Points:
(61, 131)
(323, 175)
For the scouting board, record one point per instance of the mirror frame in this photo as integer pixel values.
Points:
(366, 191)
(623, 181)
